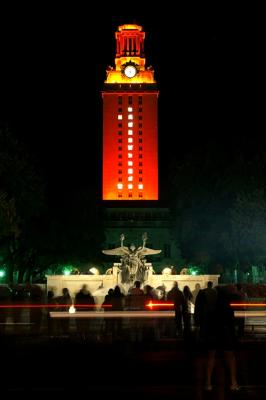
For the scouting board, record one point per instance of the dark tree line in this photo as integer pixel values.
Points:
(36, 229)
(218, 200)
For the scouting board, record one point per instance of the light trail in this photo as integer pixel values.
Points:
(248, 304)
(55, 305)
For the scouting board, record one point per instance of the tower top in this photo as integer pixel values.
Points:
(130, 27)
(130, 59)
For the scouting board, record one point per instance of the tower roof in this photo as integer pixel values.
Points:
(128, 27)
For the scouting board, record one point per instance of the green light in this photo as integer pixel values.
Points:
(2, 273)
(67, 271)
(194, 270)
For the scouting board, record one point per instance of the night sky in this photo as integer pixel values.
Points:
(208, 66)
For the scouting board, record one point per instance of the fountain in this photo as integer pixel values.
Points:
(132, 267)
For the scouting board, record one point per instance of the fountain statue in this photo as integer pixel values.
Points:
(133, 262)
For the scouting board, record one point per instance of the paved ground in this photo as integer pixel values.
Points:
(163, 369)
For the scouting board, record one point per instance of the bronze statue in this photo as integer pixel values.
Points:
(132, 259)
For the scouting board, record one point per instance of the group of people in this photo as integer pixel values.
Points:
(215, 328)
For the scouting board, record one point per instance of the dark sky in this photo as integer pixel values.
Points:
(208, 66)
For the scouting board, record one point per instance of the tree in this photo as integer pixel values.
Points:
(247, 239)
(21, 201)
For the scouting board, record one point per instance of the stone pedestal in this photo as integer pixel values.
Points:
(100, 284)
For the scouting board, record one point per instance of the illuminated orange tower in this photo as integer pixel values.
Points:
(130, 131)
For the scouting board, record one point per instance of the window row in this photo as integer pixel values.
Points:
(129, 109)
(130, 155)
(130, 100)
(130, 132)
(129, 195)
(120, 186)
(129, 163)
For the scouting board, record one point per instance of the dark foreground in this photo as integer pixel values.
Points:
(168, 368)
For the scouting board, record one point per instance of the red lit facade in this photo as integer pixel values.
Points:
(130, 131)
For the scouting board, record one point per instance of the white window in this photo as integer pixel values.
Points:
(120, 116)
(140, 186)
(130, 116)
(130, 132)
(130, 124)
(130, 155)
(129, 109)
(130, 147)
(120, 186)
(130, 163)
(130, 171)
(130, 140)
(130, 186)
(130, 178)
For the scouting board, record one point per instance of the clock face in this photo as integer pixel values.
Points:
(130, 71)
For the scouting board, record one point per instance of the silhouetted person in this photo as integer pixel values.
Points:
(176, 296)
(84, 301)
(35, 311)
(188, 311)
(50, 322)
(135, 302)
(108, 321)
(215, 318)
(64, 302)
(150, 324)
(196, 291)
(135, 297)
(118, 302)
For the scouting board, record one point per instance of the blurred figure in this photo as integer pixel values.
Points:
(5, 297)
(150, 330)
(118, 302)
(64, 302)
(176, 296)
(108, 300)
(196, 291)
(188, 311)
(50, 322)
(107, 330)
(35, 312)
(215, 319)
(149, 294)
(18, 299)
(135, 302)
(135, 297)
(84, 301)
(240, 296)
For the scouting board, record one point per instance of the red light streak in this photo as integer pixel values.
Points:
(248, 304)
(152, 305)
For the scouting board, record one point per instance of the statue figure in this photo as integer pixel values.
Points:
(132, 259)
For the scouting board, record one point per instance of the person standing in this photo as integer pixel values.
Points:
(84, 301)
(215, 319)
(188, 311)
(176, 296)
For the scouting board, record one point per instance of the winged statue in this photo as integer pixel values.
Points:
(132, 259)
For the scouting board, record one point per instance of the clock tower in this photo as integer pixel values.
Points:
(130, 151)
(130, 132)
